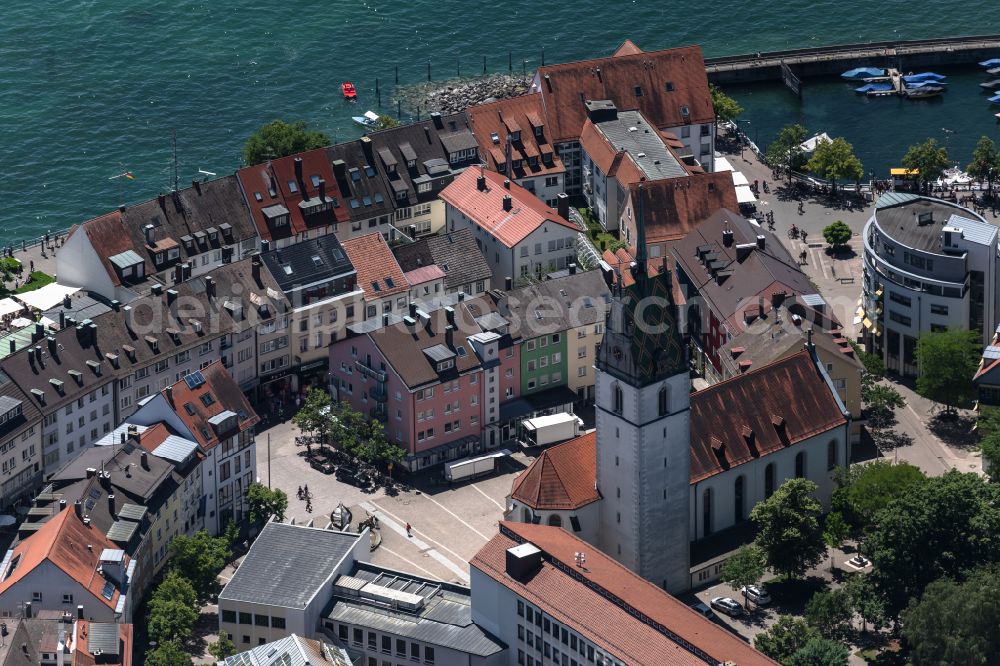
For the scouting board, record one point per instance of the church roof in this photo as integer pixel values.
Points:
(563, 477)
(760, 412)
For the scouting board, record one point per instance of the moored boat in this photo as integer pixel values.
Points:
(862, 73)
(992, 62)
(924, 76)
(991, 84)
(348, 89)
(874, 87)
(367, 120)
(922, 92)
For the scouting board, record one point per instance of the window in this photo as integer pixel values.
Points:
(899, 319)
(638, 91)
(261, 620)
(245, 618)
(706, 509)
(400, 647)
(663, 400)
(903, 300)
(769, 480)
(831, 455)
(67, 598)
(428, 655)
(229, 616)
(358, 636)
(939, 309)
(800, 465)
(617, 399)
(738, 501)
(387, 644)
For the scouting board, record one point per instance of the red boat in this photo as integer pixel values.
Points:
(348, 89)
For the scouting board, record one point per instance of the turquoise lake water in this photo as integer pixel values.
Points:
(90, 88)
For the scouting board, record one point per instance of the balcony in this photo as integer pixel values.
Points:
(378, 413)
(379, 394)
(369, 373)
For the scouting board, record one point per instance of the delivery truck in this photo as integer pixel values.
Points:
(470, 468)
(545, 430)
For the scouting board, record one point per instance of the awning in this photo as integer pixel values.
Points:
(739, 179)
(866, 322)
(904, 172)
(744, 195)
(878, 292)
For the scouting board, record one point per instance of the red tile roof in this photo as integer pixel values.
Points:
(63, 542)
(562, 477)
(379, 273)
(596, 145)
(83, 655)
(566, 86)
(675, 206)
(260, 179)
(153, 436)
(759, 412)
(628, 47)
(424, 274)
(485, 207)
(225, 394)
(525, 113)
(108, 237)
(610, 606)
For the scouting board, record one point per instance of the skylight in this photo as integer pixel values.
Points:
(287, 268)
(317, 260)
(389, 283)
(369, 171)
(314, 179)
(207, 399)
(376, 286)
(292, 186)
(379, 198)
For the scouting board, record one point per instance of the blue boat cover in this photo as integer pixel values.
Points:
(873, 87)
(864, 72)
(924, 76)
(926, 84)
(992, 62)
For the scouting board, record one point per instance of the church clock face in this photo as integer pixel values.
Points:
(617, 353)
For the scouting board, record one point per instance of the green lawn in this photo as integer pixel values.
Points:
(602, 239)
(36, 280)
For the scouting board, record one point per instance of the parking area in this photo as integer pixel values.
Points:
(449, 523)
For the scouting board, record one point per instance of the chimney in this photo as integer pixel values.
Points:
(298, 169)
(523, 561)
(162, 200)
(425, 320)
(322, 190)
(265, 246)
(449, 336)
(144, 460)
(156, 290)
(449, 315)
(562, 205)
(743, 250)
(760, 241)
(52, 345)
(572, 269)
(79, 612)
(481, 183)
(62, 505)
(111, 506)
(411, 325)
(170, 395)
(508, 283)
(39, 331)
(385, 319)
(506, 183)
(13, 346)
(171, 296)
(178, 274)
(210, 287)
(196, 185)
(436, 117)
(62, 320)
(27, 615)
(78, 505)
(413, 309)
(66, 301)
(255, 269)
(507, 202)
(150, 230)
(727, 237)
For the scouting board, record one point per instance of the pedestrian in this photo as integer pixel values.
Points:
(299, 494)
(803, 236)
(408, 528)
(305, 491)
(32, 265)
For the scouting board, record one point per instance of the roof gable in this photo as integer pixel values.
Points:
(379, 274)
(562, 477)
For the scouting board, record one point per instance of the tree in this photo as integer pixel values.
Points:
(725, 107)
(990, 448)
(785, 637)
(864, 490)
(785, 151)
(200, 558)
(928, 159)
(174, 586)
(385, 122)
(866, 602)
(168, 653)
(834, 532)
(837, 235)
(955, 623)
(938, 528)
(830, 612)
(222, 648)
(789, 532)
(264, 503)
(947, 361)
(278, 139)
(744, 568)
(985, 161)
(834, 160)
(314, 416)
(881, 402)
(171, 619)
(820, 652)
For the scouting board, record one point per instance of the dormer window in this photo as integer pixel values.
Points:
(538, 130)
(410, 164)
(685, 111)
(369, 171)
(445, 365)
(533, 161)
(669, 86)
(638, 91)
(257, 196)
(515, 135)
(355, 174)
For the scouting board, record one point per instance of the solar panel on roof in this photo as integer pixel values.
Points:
(95, 493)
(194, 380)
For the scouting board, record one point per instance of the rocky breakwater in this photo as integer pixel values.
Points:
(458, 94)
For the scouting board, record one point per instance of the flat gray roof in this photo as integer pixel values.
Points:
(287, 565)
(630, 132)
(899, 217)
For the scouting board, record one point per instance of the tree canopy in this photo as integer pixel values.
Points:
(955, 623)
(947, 361)
(820, 652)
(385, 121)
(278, 139)
(864, 490)
(222, 648)
(785, 151)
(830, 612)
(786, 636)
(264, 503)
(835, 160)
(789, 531)
(726, 108)
(200, 558)
(929, 159)
(988, 428)
(168, 653)
(938, 528)
(985, 164)
(745, 567)
(172, 609)
(835, 530)
(837, 234)
(314, 414)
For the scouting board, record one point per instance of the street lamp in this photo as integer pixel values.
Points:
(743, 136)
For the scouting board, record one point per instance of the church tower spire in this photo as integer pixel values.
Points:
(643, 427)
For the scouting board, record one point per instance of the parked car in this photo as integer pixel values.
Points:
(756, 594)
(726, 605)
(353, 476)
(322, 466)
(701, 609)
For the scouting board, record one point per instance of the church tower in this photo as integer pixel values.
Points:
(643, 429)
